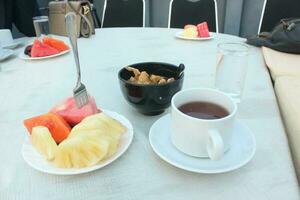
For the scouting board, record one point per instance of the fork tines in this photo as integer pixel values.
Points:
(80, 96)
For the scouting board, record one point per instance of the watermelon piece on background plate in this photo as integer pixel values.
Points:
(73, 115)
(203, 30)
(39, 49)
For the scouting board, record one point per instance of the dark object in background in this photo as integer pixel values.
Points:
(185, 12)
(96, 19)
(20, 13)
(151, 99)
(27, 50)
(275, 10)
(285, 37)
(123, 13)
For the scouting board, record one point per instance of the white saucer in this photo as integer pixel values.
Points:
(11, 45)
(241, 152)
(36, 161)
(179, 35)
(5, 53)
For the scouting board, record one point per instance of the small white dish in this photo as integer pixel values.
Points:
(11, 45)
(241, 152)
(6, 39)
(26, 57)
(179, 35)
(38, 162)
(5, 53)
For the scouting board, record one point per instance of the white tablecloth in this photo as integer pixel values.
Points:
(32, 88)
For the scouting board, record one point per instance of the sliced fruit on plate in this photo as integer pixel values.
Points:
(203, 30)
(190, 26)
(73, 115)
(42, 140)
(39, 49)
(95, 138)
(99, 134)
(101, 122)
(57, 126)
(190, 31)
(81, 152)
(55, 43)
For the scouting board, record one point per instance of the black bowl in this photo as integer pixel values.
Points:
(151, 99)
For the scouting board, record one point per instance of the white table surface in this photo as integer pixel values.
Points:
(32, 88)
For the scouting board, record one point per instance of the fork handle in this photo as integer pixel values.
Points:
(71, 30)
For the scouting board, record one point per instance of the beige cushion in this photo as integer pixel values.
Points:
(281, 64)
(288, 94)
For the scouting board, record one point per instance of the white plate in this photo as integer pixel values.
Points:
(5, 53)
(36, 161)
(12, 45)
(179, 35)
(26, 57)
(240, 153)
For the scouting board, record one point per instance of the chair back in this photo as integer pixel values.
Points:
(182, 12)
(275, 10)
(123, 13)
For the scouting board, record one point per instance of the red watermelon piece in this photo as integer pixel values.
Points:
(73, 115)
(41, 50)
(203, 30)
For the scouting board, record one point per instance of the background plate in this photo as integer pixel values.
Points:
(5, 53)
(26, 57)
(179, 35)
(12, 45)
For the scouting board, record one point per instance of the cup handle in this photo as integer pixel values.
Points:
(215, 145)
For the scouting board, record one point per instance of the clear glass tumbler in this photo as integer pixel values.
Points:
(41, 25)
(231, 69)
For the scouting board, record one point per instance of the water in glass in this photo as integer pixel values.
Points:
(231, 69)
(41, 25)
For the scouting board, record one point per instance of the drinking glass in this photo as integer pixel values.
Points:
(231, 69)
(41, 25)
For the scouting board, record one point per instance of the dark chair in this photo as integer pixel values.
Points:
(275, 10)
(96, 19)
(123, 13)
(182, 12)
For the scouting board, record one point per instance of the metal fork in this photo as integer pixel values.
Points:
(79, 92)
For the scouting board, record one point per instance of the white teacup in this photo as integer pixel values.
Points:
(202, 137)
(5, 37)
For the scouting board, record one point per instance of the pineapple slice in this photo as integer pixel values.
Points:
(95, 138)
(43, 141)
(101, 135)
(81, 152)
(102, 122)
(117, 129)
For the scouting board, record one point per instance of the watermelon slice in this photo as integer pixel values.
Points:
(41, 50)
(73, 115)
(203, 30)
(56, 44)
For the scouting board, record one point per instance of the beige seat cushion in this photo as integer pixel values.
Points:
(288, 94)
(281, 64)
